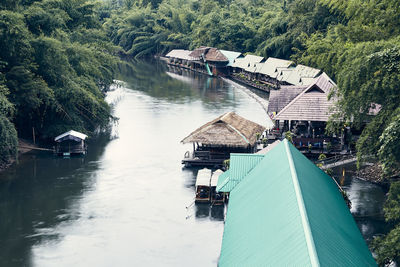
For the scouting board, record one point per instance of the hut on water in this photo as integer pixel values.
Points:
(214, 141)
(285, 211)
(209, 59)
(179, 57)
(70, 143)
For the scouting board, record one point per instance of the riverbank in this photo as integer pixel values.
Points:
(24, 146)
(373, 173)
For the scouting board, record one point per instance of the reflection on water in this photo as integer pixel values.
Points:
(202, 210)
(124, 204)
(217, 212)
(37, 195)
(367, 201)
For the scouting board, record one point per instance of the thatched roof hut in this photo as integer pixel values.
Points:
(209, 54)
(228, 129)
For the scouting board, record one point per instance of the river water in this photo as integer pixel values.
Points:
(125, 202)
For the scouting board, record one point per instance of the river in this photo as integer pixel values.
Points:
(124, 203)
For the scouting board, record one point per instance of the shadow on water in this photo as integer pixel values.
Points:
(202, 210)
(37, 194)
(217, 212)
(367, 201)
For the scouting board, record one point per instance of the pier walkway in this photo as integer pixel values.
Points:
(336, 161)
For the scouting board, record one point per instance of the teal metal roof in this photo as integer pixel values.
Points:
(231, 56)
(287, 212)
(223, 179)
(240, 166)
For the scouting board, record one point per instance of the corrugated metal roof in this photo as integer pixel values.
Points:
(270, 66)
(180, 54)
(287, 212)
(222, 180)
(288, 75)
(307, 81)
(268, 148)
(307, 72)
(299, 75)
(248, 62)
(203, 177)
(240, 164)
(231, 56)
(72, 133)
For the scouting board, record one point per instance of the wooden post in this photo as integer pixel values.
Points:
(33, 135)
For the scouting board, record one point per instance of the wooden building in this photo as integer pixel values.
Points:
(210, 59)
(214, 141)
(299, 75)
(304, 110)
(232, 57)
(267, 72)
(70, 143)
(247, 65)
(179, 57)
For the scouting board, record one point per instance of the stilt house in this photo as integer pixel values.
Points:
(214, 141)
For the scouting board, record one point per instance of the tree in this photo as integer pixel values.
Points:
(388, 247)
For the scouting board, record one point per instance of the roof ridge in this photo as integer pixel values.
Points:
(298, 96)
(239, 133)
(312, 252)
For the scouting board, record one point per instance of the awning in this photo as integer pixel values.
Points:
(203, 177)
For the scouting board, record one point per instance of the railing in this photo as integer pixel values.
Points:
(205, 155)
(334, 161)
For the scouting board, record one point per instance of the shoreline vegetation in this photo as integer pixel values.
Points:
(357, 43)
(56, 62)
(58, 57)
(24, 146)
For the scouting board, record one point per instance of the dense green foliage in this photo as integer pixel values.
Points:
(363, 54)
(266, 27)
(388, 247)
(357, 42)
(55, 60)
(8, 134)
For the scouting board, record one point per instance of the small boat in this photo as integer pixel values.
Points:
(217, 198)
(203, 186)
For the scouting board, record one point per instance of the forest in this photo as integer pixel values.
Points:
(356, 42)
(57, 58)
(55, 62)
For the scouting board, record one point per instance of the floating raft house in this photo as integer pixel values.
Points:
(285, 211)
(214, 141)
(71, 143)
